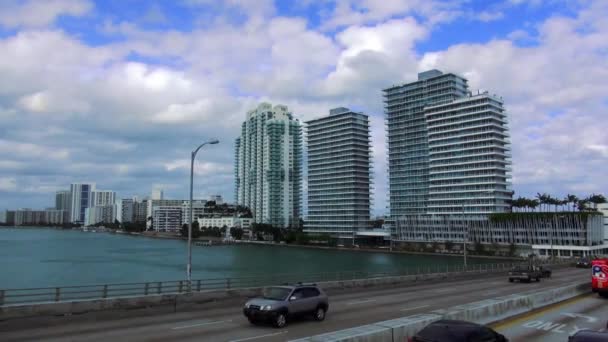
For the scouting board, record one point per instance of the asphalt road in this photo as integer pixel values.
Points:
(556, 322)
(224, 321)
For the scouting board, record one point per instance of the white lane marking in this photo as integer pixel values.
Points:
(415, 307)
(361, 302)
(490, 293)
(259, 336)
(589, 319)
(443, 290)
(200, 324)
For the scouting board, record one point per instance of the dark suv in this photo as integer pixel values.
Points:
(280, 303)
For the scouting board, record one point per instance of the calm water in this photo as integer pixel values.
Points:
(49, 257)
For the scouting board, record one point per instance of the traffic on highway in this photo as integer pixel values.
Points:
(227, 320)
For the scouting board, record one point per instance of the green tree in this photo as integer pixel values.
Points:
(512, 249)
(479, 248)
(448, 245)
(236, 233)
(196, 232)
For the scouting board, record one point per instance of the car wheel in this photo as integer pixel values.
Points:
(280, 321)
(320, 314)
(251, 320)
(529, 280)
(537, 279)
(510, 280)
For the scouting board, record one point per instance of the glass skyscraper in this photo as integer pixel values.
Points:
(338, 173)
(268, 166)
(449, 150)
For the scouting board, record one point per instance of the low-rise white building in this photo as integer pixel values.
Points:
(167, 218)
(225, 221)
(603, 208)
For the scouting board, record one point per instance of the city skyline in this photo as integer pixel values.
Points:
(107, 105)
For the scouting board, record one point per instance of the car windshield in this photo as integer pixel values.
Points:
(276, 293)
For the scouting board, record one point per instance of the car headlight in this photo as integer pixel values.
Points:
(246, 305)
(266, 307)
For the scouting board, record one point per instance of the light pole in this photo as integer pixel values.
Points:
(192, 156)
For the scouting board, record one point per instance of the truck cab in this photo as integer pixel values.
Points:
(599, 276)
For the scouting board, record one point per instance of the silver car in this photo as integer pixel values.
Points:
(280, 303)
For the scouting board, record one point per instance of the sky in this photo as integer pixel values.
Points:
(120, 92)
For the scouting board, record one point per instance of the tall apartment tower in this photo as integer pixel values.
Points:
(82, 198)
(63, 200)
(268, 165)
(449, 150)
(339, 161)
(103, 198)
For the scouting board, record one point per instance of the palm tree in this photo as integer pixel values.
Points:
(571, 199)
(581, 205)
(532, 203)
(542, 199)
(596, 199)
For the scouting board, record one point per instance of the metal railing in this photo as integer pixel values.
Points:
(90, 292)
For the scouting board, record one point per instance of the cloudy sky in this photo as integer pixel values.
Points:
(119, 92)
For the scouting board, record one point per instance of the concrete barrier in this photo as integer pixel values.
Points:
(482, 312)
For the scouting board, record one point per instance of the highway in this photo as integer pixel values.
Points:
(556, 322)
(223, 321)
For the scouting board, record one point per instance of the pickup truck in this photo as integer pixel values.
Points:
(524, 274)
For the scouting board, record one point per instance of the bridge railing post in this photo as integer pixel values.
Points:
(198, 285)
(146, 289)
(159, 288)
(1, 297)
(181, 284)
(104, 294)
(228, 283)
(57, 294)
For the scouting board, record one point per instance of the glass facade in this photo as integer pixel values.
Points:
(338, 173)
(268, 166)
(448, 150)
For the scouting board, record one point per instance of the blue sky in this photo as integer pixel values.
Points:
(118, 92)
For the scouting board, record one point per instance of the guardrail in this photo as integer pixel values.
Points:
(91, 292)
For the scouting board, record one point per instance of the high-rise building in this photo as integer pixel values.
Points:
(63, 200)
(157, 194)
(82, 198)
(338, 173)
(140, 211)
(448, 149)
(99, 214)
(217, 199)
(103, 198)
(125, 210)
(268, 165)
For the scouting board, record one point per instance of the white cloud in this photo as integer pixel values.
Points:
(487, 16)
(37, 13)
(8, 184)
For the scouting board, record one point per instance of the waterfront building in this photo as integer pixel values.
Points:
(63, 200)
(56, 217)
(449, 150)
(82, 198)
(26, 216)
(140, 211)
(603, 208)
(125, 210)
(268, 166)
(99, 214)
(151, 203)
(567, 234)
(339, 162)
(167, 218)
(198, 209)
(225, 221)
(103, 198)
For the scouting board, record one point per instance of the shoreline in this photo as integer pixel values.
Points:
(164, 236)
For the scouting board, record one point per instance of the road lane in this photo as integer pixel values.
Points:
(348, 308)
(556, 322)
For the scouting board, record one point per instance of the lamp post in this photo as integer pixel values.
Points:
(192, 156)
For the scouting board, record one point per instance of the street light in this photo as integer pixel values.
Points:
(193, 155)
